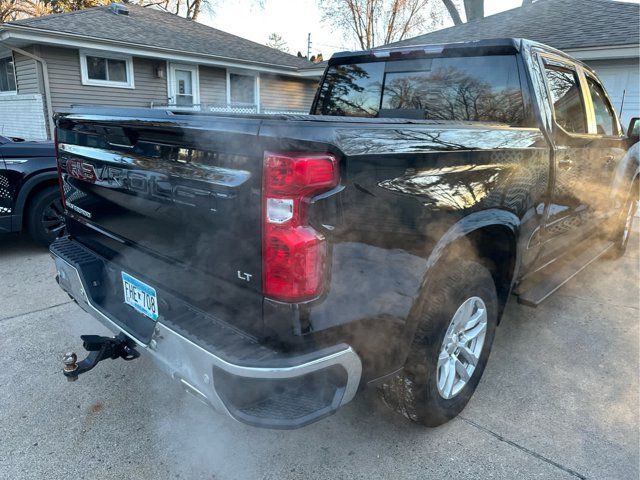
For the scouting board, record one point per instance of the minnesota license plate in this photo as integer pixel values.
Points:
(140, 296)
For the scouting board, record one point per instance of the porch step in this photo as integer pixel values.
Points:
(533, 290)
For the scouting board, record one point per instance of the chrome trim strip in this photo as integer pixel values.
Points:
(191, 364)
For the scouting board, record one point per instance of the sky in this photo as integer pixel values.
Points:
(293, 20)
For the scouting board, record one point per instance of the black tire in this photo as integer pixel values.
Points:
(414, 393)
(622, 230)
(45, 216)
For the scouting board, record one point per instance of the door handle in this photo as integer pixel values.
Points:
(565, 162)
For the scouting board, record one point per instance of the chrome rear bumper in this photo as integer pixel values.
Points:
(284, 392)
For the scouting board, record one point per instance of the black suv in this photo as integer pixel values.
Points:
(29, 191)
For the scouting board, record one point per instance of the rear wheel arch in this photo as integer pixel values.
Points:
(495, 247)
(478, 235)
(490, 238)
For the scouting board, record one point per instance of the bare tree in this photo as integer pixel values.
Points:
(15, 9)
(473, 9)
(276, 41)
(453, 11)
(11, 10)
(378, 22)
(189, 9)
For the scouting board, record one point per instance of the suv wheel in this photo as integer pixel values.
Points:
(45, 216)
(451, 346)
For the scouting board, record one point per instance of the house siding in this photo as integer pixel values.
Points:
(213, 85)
(27, 78)
(66, 82)
(282, 93)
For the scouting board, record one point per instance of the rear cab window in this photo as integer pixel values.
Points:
(482, 89)
(568, 105)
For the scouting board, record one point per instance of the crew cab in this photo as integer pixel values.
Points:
(29, 192)
(276, 265)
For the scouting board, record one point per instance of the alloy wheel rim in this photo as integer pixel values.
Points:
(461, 347)
(53, 217)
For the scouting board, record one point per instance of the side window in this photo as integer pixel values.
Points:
(567, 98)
(605, 117)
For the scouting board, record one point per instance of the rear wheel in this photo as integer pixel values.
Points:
(451, 347)
(45, 216)
(623, 230)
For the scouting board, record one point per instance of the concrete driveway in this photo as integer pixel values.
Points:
(559, 399)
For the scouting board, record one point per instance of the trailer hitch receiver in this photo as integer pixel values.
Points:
(99, 348)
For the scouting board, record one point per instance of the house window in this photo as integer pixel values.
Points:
(242, 89)
(7, 76)
(106, 70)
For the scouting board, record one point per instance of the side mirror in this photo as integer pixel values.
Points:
(633, 132)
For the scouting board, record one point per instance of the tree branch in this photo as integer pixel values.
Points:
(453, 12)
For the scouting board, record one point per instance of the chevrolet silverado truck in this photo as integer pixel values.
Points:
(276, 265)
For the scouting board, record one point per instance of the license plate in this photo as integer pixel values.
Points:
(140, 296)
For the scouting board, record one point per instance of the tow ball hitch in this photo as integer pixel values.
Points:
(99, 348)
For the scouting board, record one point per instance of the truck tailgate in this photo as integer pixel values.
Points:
(171, 203)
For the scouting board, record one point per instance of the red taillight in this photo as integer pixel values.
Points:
(291, 175)
(294, 253)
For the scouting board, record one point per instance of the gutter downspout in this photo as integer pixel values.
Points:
(47, 90)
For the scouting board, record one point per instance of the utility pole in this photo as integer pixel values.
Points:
(308, 46)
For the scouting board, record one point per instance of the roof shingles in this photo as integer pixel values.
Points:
(154, 28)
(563, 24)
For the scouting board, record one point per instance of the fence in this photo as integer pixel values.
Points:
(242, 109)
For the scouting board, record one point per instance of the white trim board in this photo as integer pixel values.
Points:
(605, 53)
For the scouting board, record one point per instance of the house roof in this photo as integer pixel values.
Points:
(155, 28)
(563, 24)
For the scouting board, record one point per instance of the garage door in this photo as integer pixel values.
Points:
(623, 85)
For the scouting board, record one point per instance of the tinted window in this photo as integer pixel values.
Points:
(605, 118)
(117, 70)
(107, 69)
(567, 99)
(7, 75)
(471, 88)
(242, 88)
(352, 90)
(462, 88)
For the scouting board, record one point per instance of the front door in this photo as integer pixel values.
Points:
(608, 148)
(183, 85)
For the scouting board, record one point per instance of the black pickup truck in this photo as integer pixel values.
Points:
(275, 265)
(29, 190)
